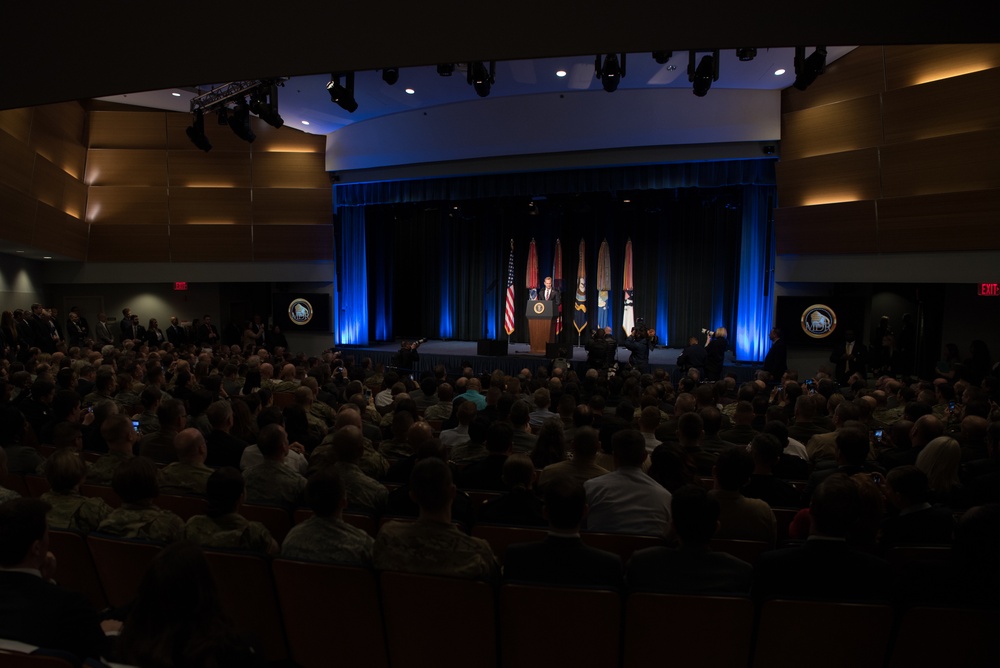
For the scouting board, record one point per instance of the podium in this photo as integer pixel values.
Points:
(541, 316)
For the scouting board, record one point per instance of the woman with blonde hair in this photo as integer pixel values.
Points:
(940, 460)
(715, 349)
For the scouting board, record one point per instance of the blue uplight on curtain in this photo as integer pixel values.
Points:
(351, 300)
(446, 328)
(755, 294)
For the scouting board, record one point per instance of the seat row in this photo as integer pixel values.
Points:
(323, 614)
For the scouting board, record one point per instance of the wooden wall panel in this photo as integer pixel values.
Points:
(290, 170)
(127, 205)
(951, 106)
(17, 163)
(848, 227)
(17, 123)
(945, 222)
(219, 136)
(122, 243)
(66, 154)
(210, 243)
(293, 242)
(66, 120)
(128, 129)
(945, 164)
(17, 214)
(75, 198)
(48, 183)
(839, 177)
(832, 128)
(216, 169)
(286, 206)
(126, 167)
(913, 65)
(60, 233)
(224, 206)
(857, 74)
(286, 140)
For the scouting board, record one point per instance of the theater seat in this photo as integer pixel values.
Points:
(121, 563)
(437, 621)
(747, 550)
(541, 627)
(822, 634)
(34, 658)
(249, 598)
(37, 484)
(76, 569)
(277, 520)
(283, 399)
(686, 630)
(184, 506)
(331, 614)
(622, 544)
(500, 536)
(947, 637)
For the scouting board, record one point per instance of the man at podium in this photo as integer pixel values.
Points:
(549, 293)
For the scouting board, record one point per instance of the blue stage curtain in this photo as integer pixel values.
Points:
(755, 300)
(605, 179)
(351, 297)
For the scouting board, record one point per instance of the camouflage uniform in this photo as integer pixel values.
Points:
(439, 411)
(363, 493)
(143, 521)
(271, 482)
(75, 511)
(127, 400)
(103, 470)
(324, 413)
(433, 548)
(149, 423)
(279, 385)
(372, 463)
(328, 540)
(468, 452)
(159, 446)
(228, 531)
(8, 494)
(888, 416)
(394, 448)
(22, 459)
(181, 478)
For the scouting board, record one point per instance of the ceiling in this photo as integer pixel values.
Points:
(305, 104)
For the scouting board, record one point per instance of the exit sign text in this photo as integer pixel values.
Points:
(989, 289)
(180, 285)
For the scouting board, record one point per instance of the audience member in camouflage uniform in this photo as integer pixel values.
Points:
(126, 398)
(223, 526)
(66, 435)
(189, 474)
(69, 508)
(271, 481)
(441, 411)
(363, 493)
(325, 536)
(159, 445)
(433, 545)
(118, 433)
(149, 422)
(372, 463)
(318, 409)
(135, 483)
(475, 450)
(397, 446)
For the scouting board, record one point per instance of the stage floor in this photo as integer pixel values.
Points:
(455, 355)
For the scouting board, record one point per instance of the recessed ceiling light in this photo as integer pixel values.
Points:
(19, 251)
(305, 122)
(176, 94)
(46, 257)
(560, 73)
(410, 91)
(778, 72)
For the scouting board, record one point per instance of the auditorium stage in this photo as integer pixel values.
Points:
(455, 355)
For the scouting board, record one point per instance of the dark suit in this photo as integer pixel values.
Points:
(822, 569)
(554, 296)
(519, 507)
(224, 449)
(693, 357)
(927, 526)
(205, 335)
(562, 560)
(855, 363)
(36, 612)
(776, 360)
(176, 335)
(689, 570)
(715, 357)
(740, 434)
(775, 491)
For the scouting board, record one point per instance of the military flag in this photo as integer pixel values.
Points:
(603, 283)
(580, 305)
(628, 318)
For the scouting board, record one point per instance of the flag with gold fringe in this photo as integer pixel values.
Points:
(508, 313)
(603, 283)
(580, 304)
(628, 318)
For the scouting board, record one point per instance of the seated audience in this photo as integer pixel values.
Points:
(187, 475)
(581, 467)
(940, 461)
(120, 437)
(68, 508)
(693, 568)
(159, 445)
(21, 458)
(432, 545)
(272, 482)
(740, 518)
(518, 505)
(224, 449)
(325, 536)
(562, 558)
(223, 526)
(363, 494)
(918, 522)
(135, 483)
(775, 492)
(487, 473)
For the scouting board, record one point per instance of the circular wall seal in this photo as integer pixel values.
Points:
(539, 308)
(819, 321)
(300, 311)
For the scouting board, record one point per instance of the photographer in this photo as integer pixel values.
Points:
(640, 342)
(715, 350)
(597, 351)
(407, 357)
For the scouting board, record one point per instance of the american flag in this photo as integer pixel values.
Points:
(508, 318)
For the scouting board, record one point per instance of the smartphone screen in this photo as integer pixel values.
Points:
(135, 425)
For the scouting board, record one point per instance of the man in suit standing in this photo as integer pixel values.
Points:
(208, 335)
(776, 360)
(103, 332)
(33, 610)
(850, 358)
(549, 293)
(563, 558)
(175, 333)
(126, 324)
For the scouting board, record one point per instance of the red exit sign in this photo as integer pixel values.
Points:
(989, 289)
(180, 285)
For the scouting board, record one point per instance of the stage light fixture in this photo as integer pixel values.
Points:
(223, 116)
(239, 122)
(706, 72)
(746, 54)
(480, 78)
(343, 94)
(446, 69)
(196, 133)
(610, 72)
(264, 103)
(390, 75)
(663, 57)
(807, 69)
